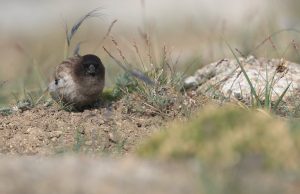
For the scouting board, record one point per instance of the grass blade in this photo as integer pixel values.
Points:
(135, 73)
(106, 35)
(138, 74)
(70, 33)
(253, 91)
(2, 83)
(93, 13)
(77, 49)
(268, 92)
(281, 97)
(272, 35)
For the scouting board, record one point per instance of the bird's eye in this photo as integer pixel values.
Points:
(56, 81)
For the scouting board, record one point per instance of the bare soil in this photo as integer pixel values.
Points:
(112, 130)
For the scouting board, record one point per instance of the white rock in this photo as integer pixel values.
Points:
(190, 82)
(226, 77)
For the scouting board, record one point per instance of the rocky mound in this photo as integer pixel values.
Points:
(225, 79)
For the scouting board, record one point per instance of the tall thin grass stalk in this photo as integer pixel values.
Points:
(281, 97)
(268, 92)
(106, 35)
(119, 51)
(77, 49)
(70, 33)
(272, 35)
(274, 47)
(2, 83)
(136, 73)
(139, 55)
(296, 48)
(147, 41)
(253, 91)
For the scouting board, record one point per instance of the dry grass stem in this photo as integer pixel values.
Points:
(106, 35)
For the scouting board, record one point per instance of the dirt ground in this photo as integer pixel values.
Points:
(50, 131)
(112, 130)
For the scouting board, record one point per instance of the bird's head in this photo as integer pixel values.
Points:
(92, 65)
(89, 67)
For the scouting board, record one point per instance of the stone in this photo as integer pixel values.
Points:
(190, 82)
(226, 78)
(55, 134)
(89, 143)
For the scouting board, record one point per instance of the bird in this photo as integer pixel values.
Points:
(78, 81)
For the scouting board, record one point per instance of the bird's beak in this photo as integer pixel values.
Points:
(91, 70)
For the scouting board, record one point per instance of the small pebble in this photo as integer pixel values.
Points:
(111, 138)
(56, 134)
(53, 139)
(88, 143)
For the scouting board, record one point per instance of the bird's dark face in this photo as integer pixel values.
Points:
(92, 65)
(89, 66)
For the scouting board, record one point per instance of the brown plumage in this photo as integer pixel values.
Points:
(78, 81)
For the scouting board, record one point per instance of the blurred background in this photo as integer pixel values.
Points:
(32, 40)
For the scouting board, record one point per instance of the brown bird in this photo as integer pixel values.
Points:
(78, 81)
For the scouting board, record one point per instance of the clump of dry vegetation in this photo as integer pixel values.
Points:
(225, 136)
(154, 90)
(238, 150)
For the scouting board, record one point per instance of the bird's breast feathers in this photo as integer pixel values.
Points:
(63, 87)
